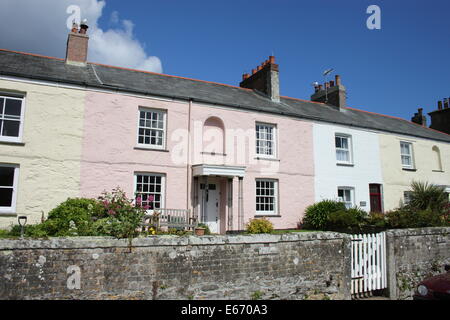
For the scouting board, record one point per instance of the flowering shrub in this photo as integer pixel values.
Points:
(120, 217)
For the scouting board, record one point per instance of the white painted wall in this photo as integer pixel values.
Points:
(329, 176)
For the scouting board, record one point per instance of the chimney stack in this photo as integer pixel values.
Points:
(419, 118)
(440, 118)
(335, 92)
(265, 78)
(77, 44)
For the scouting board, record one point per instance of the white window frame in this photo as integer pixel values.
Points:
(164, 129)
(21, 120)
(410, 155)
(163, 186)
(12, 208)
(351, 190)
(274, 140)
(275, 198)
(349, 149)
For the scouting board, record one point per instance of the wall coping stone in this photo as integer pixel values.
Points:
(164, 240)
(418, 231)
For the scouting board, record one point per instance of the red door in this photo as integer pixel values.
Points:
(375, 197)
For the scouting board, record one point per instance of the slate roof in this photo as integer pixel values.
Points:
(106, 77)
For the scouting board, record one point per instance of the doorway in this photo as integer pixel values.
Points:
(375, 198)
(210, 204)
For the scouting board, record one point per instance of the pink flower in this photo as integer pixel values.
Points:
(111, 212)
(150, 198)
(138, 200)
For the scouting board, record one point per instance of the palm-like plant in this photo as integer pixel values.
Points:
(427, 196)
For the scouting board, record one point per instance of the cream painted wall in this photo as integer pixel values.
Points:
(397, 180)
(50, 158)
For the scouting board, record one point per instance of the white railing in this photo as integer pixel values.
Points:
(171, 218)
(368, 263)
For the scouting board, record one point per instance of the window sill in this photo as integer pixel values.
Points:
(341, 164)
(267, 159)
(150, 149)
(13, 143)
(441, 171)
(409, 169)
(8, 214)
(267, 216)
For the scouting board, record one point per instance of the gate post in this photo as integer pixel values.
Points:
(347, 272)
(390, 264)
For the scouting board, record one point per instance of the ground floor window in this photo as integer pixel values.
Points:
(407, 196)
(150, 188)
(8, 187)
(345, 195)
(266, 197)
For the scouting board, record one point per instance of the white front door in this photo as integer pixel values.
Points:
(211, 196)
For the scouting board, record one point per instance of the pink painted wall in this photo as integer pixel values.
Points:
(295, 172)
(109, 157)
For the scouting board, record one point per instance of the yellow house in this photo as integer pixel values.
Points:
(41, 152)
(407, 158)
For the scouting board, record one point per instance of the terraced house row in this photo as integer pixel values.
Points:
(69, 128)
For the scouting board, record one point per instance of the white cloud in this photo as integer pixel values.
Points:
(40, 27)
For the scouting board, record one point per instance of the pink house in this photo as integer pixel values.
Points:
(225, 162)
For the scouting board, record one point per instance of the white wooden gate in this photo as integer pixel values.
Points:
(368, 263)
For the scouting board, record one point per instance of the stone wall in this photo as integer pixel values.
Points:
(290, 266)
(413, 255)
(312, 265)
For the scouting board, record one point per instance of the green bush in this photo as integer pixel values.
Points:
(261, 225)
(376, 219)
(348, 219)
(425, 196)
(316, 215)
(411, 218)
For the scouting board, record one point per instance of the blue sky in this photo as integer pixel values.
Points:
(395, 70)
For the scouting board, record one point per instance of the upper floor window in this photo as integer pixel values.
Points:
(266, 196)
(152, 128)
(266, 140)
(345, 195)
(343, 148)
(11, 119)
(8, 187)
(407, 155)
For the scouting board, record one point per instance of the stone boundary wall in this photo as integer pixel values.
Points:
(313, 265)
(412, 256)
(310, 265)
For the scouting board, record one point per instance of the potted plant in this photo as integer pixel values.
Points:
(199, 230)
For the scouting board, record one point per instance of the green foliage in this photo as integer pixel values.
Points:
(316, 215)
(347, 219)
(257, 295)
(376, 219)
(425, 196)
(120, 217)
(261, 225)
(411, 218)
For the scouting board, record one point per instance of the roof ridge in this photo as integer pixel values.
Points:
(397, 118)
(31, 54)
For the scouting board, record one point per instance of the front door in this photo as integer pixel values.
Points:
(375, 198)
(210, 212)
